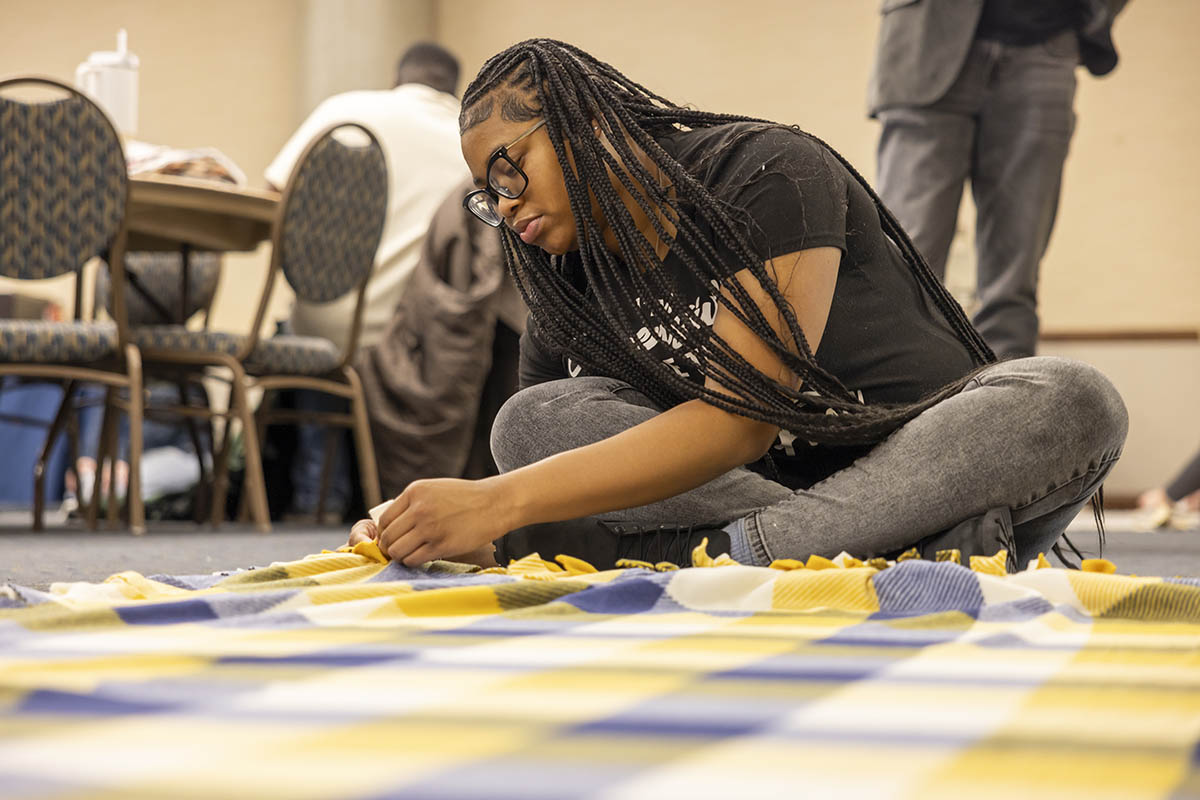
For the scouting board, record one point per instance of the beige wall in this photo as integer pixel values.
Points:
(353, 44)
(221, 74)
(798, 61)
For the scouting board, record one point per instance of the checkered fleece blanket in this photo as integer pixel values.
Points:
(346, 676)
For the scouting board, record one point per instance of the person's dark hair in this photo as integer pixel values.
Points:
(430, 64)
(573, 92)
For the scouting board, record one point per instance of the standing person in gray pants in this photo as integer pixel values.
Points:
(983, 90)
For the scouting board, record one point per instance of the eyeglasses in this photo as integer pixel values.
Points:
(504, 179)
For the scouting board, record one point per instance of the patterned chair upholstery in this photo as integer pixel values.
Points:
(333, 220)
(293, 355)
(153, 282)
(42, 342)
(63, 192)
(62, 186)
(62, 196)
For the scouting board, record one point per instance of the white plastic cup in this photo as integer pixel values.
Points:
(111, 79)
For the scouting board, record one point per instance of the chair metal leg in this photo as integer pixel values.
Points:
(260, 415)
(202, 485)
(211, 489)
(133, 492)
(243, 509)
(254, 484)
(260, 423)
(368, 472)
(39, 468)
(73, 451)
(220, 487)
(108, 433)
(112, 510)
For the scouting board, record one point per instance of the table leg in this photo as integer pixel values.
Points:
(185, 253)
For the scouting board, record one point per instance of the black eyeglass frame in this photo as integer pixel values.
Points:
(491, 192)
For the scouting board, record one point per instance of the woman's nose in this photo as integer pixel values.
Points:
(508, 207)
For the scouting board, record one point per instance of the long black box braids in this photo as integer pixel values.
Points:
(633, 299)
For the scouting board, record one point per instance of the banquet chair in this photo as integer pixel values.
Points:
(324, 239)
(154, 296)
(63, 194)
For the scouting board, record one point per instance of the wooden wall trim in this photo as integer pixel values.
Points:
(1117, 335)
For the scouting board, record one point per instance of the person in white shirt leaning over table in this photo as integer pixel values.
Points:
(416, 123)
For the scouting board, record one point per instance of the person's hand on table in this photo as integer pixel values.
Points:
(444, 518)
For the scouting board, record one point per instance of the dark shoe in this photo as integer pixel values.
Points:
(984, 535)
(602, 544)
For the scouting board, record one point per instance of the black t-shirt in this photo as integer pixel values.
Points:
(884, 339)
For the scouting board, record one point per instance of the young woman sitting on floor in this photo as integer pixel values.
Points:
(731, 337)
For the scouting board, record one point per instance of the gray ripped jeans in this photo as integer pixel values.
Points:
(1032, 436)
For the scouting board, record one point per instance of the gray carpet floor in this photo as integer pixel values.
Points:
(68, 552)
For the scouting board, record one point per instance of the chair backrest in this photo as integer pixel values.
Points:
(333, 212)
(63, 183)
